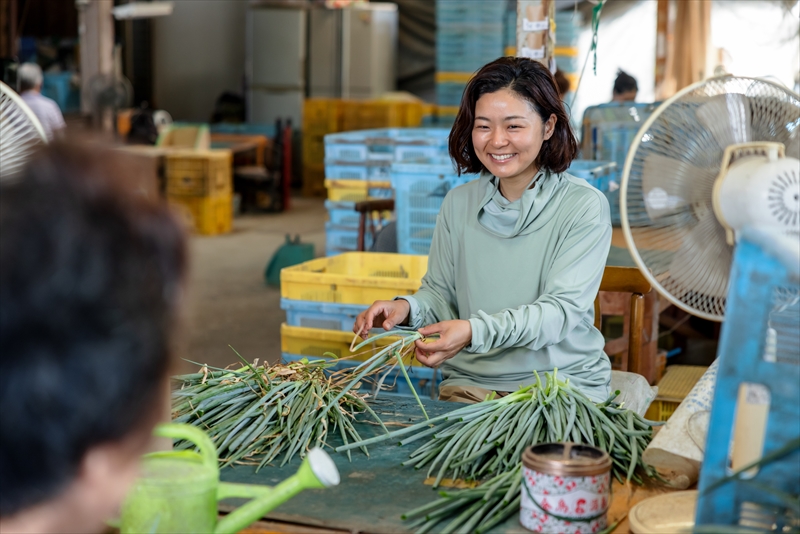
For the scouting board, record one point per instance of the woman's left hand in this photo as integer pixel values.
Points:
(453, 337)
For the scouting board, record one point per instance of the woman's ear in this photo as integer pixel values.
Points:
(550, 126)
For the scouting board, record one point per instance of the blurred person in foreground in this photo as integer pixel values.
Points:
(625, 87)
(91, 277)
(29, 85)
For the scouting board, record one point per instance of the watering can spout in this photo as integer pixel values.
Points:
(317, 471)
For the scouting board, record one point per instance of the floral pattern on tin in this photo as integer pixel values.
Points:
(564, 504)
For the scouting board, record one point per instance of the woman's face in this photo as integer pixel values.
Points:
(508, 134)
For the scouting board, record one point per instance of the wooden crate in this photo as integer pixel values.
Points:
(199, 173)
(212, 215)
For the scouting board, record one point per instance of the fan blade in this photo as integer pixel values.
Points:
(727, 118)
(670, 185)
(702, 265)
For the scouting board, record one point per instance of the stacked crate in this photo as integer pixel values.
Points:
(419, 189)
(608, 131)
(568, 29)
(468, 35)
(323, 116)
(322, 298)
(357, 167)
(200, 187)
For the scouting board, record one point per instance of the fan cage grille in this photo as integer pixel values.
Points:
(678, 241)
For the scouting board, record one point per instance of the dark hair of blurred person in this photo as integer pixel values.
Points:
(91, 277)
(562, 82)
(625, 87)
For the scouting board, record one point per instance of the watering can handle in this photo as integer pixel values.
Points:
(189, 433)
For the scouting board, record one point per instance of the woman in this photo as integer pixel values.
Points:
(517, 255)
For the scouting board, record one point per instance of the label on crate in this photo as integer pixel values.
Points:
(534, 25)
(531, 53)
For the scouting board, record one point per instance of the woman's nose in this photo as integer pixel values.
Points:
(499, 137)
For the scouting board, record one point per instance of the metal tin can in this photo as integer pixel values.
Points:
(566, 487)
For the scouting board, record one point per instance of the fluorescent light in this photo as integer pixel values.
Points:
(142, 10)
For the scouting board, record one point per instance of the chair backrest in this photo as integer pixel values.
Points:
(365, 209)
(627, 280)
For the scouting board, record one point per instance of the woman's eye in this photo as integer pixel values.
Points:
(514, 126)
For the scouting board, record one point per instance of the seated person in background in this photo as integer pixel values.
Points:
(625, 87)
(91, 278)
(29, 84)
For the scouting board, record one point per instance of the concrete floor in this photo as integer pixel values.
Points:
(228, 301)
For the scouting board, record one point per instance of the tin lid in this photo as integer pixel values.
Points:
(566, 459)
(664, 514)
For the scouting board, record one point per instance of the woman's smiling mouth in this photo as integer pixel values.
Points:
(502, 157)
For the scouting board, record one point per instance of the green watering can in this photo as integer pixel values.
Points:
(179, 490)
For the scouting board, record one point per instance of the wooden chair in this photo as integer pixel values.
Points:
(637, 332)
(365, 209)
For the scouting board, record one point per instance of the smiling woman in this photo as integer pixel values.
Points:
(517, 256)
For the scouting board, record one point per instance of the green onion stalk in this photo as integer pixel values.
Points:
(256, 414)
(485, 441)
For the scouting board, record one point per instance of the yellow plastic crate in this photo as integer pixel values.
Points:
(199, 172)
(206, 215)
(315, 342)
(678, 381)
(313, 149)
(367, 115)
(352, 190)
(453, 77)
(354, 278)
(322, 115)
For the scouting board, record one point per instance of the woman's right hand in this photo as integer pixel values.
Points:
(384, 314)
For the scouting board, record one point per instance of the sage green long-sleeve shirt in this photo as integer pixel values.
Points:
(525, 275)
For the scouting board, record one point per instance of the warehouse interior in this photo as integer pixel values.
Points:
(316, 158)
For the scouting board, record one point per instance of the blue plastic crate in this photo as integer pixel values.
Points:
(613, 204)
(362, 170)
(343, 214)
(426, 380)
(568, 63)
(324, 315)
(419, 190)
(418, 152)
(378, 145)
(449, 93)
(344, 238)
(597, 173)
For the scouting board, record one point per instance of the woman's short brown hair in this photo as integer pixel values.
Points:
(532, 81)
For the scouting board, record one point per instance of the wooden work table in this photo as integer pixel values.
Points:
(375, 491)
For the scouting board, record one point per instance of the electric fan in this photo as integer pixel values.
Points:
(710, 208)
(718, 156)
(20, 132)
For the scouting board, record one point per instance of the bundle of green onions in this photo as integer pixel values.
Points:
(256, 413)
(489, 437)
(471, 510)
